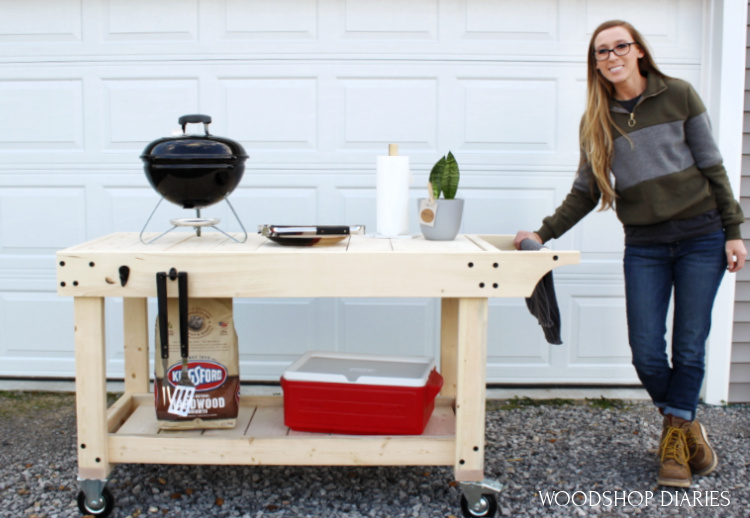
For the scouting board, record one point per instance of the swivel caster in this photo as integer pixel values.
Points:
(485, 506)
(95, 499)
(478, 498)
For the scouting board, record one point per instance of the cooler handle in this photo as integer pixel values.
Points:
(434, 383)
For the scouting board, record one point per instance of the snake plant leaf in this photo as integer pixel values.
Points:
(436, 176)
(450, 177)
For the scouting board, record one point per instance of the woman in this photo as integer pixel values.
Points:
(648, 152)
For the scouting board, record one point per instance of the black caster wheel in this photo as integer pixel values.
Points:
(107, 504)
(487, 506)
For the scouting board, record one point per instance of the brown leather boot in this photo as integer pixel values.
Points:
(674, 454)
(703, 458)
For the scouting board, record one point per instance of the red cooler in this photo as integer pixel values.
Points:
(360, 393)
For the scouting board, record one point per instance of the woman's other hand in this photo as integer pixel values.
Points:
(524, 234)
(736, 254)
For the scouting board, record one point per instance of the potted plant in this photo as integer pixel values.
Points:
(440, 218)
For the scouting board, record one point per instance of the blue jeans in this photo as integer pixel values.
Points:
(693, 268)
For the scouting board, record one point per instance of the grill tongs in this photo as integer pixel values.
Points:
(182, 398)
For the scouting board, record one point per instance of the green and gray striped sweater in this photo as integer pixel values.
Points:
(673, 169)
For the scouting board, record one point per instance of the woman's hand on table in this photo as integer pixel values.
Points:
(524, 234)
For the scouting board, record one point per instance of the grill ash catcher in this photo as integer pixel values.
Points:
(194, 171)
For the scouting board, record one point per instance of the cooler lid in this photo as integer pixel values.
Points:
(361, 369)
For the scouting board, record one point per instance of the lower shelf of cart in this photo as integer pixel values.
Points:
(261, 438)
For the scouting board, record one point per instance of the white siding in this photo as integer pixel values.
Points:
(739, 374)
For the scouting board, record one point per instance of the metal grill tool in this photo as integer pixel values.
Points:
(184, 393)
(161, 300)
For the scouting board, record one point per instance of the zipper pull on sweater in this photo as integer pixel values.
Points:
(631, 122)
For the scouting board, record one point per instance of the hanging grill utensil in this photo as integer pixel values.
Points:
(161, 299)
(182, 399)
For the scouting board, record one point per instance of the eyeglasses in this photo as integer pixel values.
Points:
(620, 50)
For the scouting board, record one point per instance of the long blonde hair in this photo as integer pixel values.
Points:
(597, 139)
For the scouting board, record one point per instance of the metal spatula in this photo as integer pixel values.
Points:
(184, 393)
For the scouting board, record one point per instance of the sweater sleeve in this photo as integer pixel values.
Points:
(581, 200)
(709, 161)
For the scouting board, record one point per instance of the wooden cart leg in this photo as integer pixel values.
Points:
(471, 389)
(448, 345)
(91, 388)
(135, 323)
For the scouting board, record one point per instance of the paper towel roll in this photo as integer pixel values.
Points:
(392, 195)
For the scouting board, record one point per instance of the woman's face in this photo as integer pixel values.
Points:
(618, 69)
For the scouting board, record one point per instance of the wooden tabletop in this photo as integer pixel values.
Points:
(359, 266)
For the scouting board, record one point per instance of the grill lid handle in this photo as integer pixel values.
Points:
(195, 119)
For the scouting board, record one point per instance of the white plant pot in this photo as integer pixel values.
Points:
(447, 220)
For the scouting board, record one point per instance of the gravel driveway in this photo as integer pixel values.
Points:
(554, 457)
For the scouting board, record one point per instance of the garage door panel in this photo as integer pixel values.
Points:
(518, 115)
(507, 114)
(271, 333)
(44, 114)
(594, 350)
(375, 111)
(288, 327)
(134, 104)
(519, 21)
(49, 21)
(599, 330)
(514, 337)
(273, 113)
(259, 19)
(28, 221)
(358, 207)
(28, 348)
(395, 327)
(387, 19)
(139, 20)
(505, 210)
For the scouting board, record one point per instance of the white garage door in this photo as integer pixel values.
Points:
(314, 90)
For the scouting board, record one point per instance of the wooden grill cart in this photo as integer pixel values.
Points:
(463, 273)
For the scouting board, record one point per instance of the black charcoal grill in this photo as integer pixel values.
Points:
(194, 172)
